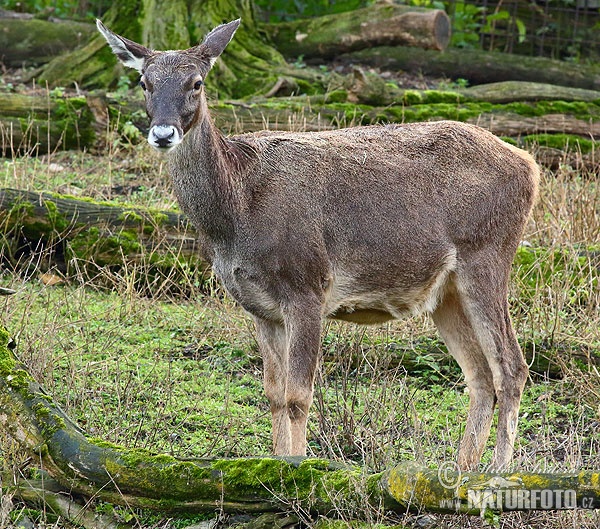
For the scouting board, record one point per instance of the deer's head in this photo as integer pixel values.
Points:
(173, 81)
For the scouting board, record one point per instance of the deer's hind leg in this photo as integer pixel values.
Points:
(457, 332)
(484, 288)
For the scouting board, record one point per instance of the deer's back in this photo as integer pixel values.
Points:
(381, 186)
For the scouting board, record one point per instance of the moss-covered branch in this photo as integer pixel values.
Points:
(137, 478)
(446, 490)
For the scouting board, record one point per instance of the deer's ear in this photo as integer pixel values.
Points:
(129, 53)
(216, 41)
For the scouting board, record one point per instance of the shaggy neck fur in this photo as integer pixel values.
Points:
(207, 171)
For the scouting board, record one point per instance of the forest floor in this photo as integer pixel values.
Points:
(182, 375)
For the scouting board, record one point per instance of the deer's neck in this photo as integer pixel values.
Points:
(207, 175)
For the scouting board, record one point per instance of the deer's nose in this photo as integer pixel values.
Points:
(163, 136)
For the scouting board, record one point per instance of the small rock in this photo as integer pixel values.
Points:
(55, 168)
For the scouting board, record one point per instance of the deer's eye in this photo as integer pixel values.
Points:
(143, 85)
(198, 85)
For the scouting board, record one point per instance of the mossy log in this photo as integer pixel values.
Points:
(378, 25)
(514, 125)
(37, 124)
(510, 91)
(371, 89)
(479, 67)
(138, 478)
(42, 123)
(33, 41)
(84, 235)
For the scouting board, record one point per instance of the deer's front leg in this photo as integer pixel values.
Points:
(273, 345)
(290, 354)
(304, 341)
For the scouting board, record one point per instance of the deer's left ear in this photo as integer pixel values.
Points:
(130, 53)
(216, 41)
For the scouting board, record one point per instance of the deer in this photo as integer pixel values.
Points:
(363, 224)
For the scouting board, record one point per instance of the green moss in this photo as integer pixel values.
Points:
(40, 410)
(130, 216)
(440, 96)
(15, 378)
(158, 218)
(336, 96)
(412, 97)
(563, 142)
(162, 473)
(95, 245)
(435, 104)
(9, 370)
(308, 87)
(7, 360)
(165, 476)
(308, 480)
(57, 220)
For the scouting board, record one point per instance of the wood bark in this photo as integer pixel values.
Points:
(30, 41)
(137, 478)
(378, 25)
(479, 67)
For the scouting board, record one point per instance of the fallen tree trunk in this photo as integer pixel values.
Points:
(137, 478)
(378, 25)
(511, 91)
(41, 124)
(48, 216)
(83, 236)
(479, 67)
(30, 41)
(517, 125)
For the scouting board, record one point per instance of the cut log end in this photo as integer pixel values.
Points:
(441, 30)
(429, 30)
